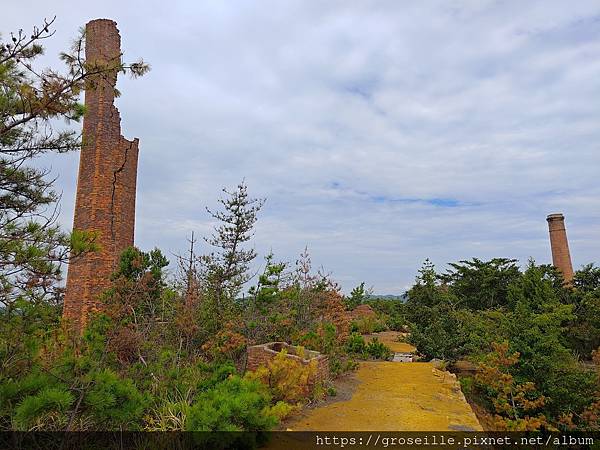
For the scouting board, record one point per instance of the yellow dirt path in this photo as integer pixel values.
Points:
(390, 338)
(395, 396)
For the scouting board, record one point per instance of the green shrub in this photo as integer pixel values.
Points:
(341, 364)
(310, 340)
(396, 323)
(281, 410)
(335, 365)
(324, 340)
(355, 344)
(466, 384)
(368, 325)
(365, 325)
(235, 404)
(46, 409)
(377, 350)
(379, 327)
(12, 391)
(114, 402)
(218, 372)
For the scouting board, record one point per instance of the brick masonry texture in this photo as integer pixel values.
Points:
(361, 312)
(106, 184)
(561, 258)
(260, 355)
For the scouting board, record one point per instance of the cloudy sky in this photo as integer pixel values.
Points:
(380, 132)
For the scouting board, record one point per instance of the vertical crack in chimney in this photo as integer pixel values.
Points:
(114, 189)
(106, 181)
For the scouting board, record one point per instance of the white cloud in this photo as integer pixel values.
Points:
(345, 114)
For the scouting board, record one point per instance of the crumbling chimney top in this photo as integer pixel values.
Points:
(107, 21)
(106, 186)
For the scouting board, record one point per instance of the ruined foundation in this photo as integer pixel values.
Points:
(106, 185)
(261, 355)
(561, 257)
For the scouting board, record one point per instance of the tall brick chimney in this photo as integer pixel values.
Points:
(106, 183)
(561, 258)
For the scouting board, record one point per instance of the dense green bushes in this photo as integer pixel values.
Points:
(47, 409)
(136, 368)
(168, 354)
(114, 401)
(374, 349)
(235, 404)
(368, 325)
(391, 313)
(478, 305)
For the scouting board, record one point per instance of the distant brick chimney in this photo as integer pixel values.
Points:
(106, 183)
(561, 258)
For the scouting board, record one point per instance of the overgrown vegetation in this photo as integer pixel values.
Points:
(164, 353)
(170, 353)
(526, 330)
(374, 349)
(163, 357)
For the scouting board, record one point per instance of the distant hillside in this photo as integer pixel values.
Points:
(400, 298)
